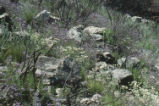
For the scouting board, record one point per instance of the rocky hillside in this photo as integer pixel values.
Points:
(76, 53)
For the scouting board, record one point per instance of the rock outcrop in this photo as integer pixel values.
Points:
(57, 71)
(75, 33)
(95, 100)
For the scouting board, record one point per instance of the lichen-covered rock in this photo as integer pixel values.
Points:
(45, 16)
(123, 76)
(97, 37)
(145, 96)
(153, 78)
(75, 33)
(100, 66)
(21, 33)
(50, 42)
(127, 16)
(93, 101)
(136, 19)
(132, 62)
(4, 16)
(94, 30)
(145, 21)
(59, 92)
(121, 62)
(112, 74)
(156, 67)
(47, 66)
(57, 71)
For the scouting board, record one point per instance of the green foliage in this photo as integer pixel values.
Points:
(149, 38)
(54, 51)
(17, 52)
(83, 74)
(19, 46)
(138, 71)
(111, 100)
(95, 86)
(136, 74)
(108, 36)
(116, 55)
(71, 10)
(27, 87)
(28, 12)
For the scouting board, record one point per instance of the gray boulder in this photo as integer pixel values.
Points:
(100, 65)
(132, 62)
(128, 16)
(47, 66)
(145, 21)
(97, 37)
(94, 30)
(4, 16)
(153, 78)
(121, 62)
(43, 15)
(123, 76)
(136, 19)
(57, 71)
(46, 16)
(156, 67)
(75, 33)
(95, 100)
(115, 76)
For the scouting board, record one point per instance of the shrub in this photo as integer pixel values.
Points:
(28, 90)
(87, 65)
(18, 45)
(111, 100)
(20, 78)
(71, 10)
(95, 86)
(16, 52)
(28, 12)
(108, 36)
(139, 72)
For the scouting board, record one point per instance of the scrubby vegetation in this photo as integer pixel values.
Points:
(76, 53)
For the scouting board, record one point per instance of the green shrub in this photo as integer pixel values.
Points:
(83, 74)
(138, 71)
(28, 12)
(111, 100)
(149, 38)
(17, 53)
(19, 46)
(95, 86)
(136, 74)
(108, 36)
(71, 10)
(25, 89)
